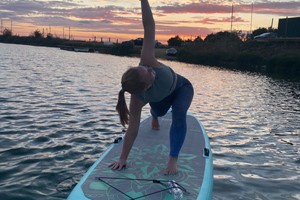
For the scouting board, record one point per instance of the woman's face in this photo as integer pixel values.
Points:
(147, 74)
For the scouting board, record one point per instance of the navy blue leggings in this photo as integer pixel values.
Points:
(180, 100)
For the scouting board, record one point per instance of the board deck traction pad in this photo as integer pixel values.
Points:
(147, 160)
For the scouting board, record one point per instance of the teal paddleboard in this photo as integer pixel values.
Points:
(143, 178)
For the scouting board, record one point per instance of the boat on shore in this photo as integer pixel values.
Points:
(82, 49)
(77, 49)
(171, 52)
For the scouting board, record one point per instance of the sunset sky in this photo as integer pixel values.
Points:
(121, 19)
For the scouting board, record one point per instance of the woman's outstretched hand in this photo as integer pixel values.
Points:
(118, 165)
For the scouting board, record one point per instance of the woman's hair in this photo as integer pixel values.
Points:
(132, 83)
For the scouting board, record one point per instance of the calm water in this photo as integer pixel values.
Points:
(57, 115)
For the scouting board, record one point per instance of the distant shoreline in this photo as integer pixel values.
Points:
(280, 60)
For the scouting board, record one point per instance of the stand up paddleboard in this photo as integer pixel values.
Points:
(143, 178)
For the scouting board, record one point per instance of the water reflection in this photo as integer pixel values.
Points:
(57, 115)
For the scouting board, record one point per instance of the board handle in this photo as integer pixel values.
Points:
(117, 140)
(206, 152)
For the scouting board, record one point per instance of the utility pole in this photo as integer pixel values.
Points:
(69, 33)
(11, 26)
(63, 32)
(231, 17)
(1, 26)
(251, 18)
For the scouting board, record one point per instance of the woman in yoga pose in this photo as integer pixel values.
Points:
(157, 84)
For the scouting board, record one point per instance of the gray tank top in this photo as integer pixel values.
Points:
(163, 85)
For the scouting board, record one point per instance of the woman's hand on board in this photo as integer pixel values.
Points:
(118, 165)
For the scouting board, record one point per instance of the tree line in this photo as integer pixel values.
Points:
(233, 50)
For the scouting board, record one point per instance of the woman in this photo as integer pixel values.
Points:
(157, 84)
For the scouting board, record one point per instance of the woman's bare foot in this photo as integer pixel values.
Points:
(171, 166)
(155, 124)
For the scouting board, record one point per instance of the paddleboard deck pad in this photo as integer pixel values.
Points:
(144, 178)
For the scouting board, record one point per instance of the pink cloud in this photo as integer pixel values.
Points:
(208, 20)
(195, 8)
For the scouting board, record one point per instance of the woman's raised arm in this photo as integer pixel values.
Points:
(148, 53)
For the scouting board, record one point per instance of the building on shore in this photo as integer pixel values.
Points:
(289, 27)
